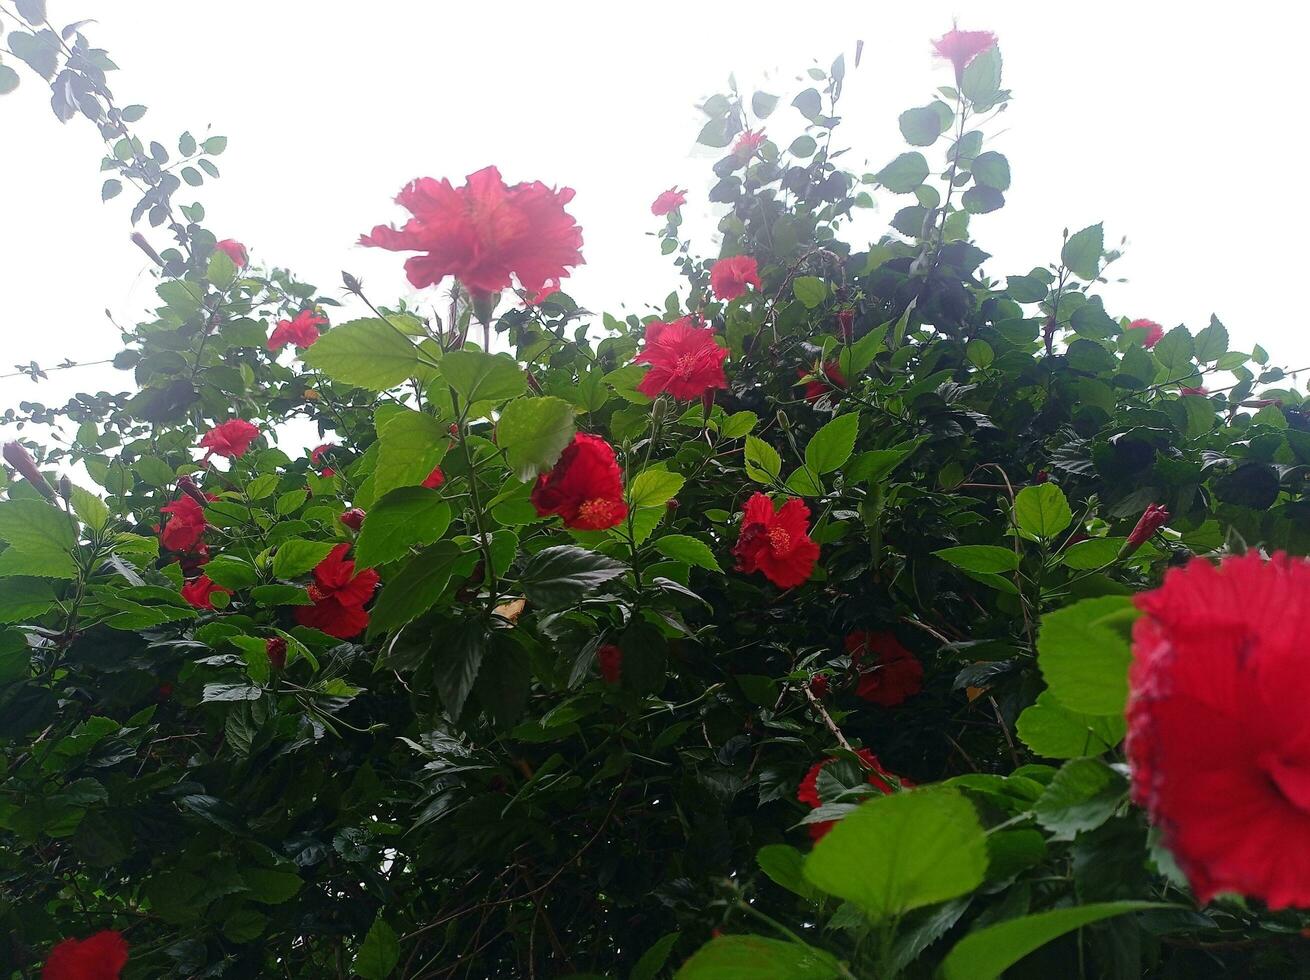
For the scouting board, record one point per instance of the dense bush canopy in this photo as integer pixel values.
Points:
(785, 633)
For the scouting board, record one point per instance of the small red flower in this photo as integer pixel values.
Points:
(684, 360)
(101, 956)
(730, 277)
(879, 778)
(819, 686)
(748, 144)
(846, 324)
(235, 251)
(353, 518)
(186, 524)
(339, 596)
(1200, 390)
(1153, 331)
(19, 458)
(669, 200)
(435, 479)
(776, 543)
(231, 438)
(483, 232)
(1153, 518)
(609, 658)
(889, 673)
(816, 388)
(585, 488)
(300, 332)
(961, 47)
(200, 592)
(276, 648)
(1218, 739)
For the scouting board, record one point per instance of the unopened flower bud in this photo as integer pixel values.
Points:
(353, 518)
(1153, 518)
(66, 488)
(188, 487)
(276, 648)
(19, 458)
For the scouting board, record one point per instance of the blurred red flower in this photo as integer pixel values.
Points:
(684, 360)
(669, 200)
(961, 47)
(435, 479)
(200, 592)
(776, 543)
(609, 658)
(339, 596)
(101, 956)
(585, 488)
(816, 388)
(483, 232)
(549, 289)
(748, 144)
(231, 438)
(1154, 332)
(1153, 518)
(889, 673)
(276, 648)
(353, 518)
(300, 332)
(235, 251)
(730, 277)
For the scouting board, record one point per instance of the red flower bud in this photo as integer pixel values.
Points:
(819, 686)
(276, 648)
(609, 659)
(1041, 476)
(671, 503)
(353, 518)
(1153, 518)
(188, 487)
(17, 457)
(846, 324)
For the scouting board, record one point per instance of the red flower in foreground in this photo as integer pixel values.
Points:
(186, 524)
(669, 200)
(961, 47)
(235, 251)
(339, 596)
(300, 332)
(585, 488)
(609, 658)
(684, 360)
(776, 543)
(200, 592)
(889, 673)
(276, 648)
(730, 277)
(748, 144)
(1153, 518)
(98, 957)
(1218, 737)
(435, 479)
(878, 777)
(231, 438)
(816, 388)
(483, 232)
(1153, 331)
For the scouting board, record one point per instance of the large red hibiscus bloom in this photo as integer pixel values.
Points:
(301, 331)
(684, 360)
(339, 596)
(101, 956)
(585, 488)
(186, 524)
(889, 673)
(776, 543)
(231, 438)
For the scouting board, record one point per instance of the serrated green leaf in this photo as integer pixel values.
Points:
(370, 353)
(532, 432)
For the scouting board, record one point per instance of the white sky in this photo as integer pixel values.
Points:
(1176, 124)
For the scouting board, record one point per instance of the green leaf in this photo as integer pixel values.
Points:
(262, 486)
(1082, 796)
(1212, 342)
(763, 104)
(270, 887)
(1093, 553)
(923, 125)
(901, 852)
(982, 200)
(738, 424)
(231, 572)
(477, 376)
(985, 559)
(810, 290)
(370, 353)
(295, 557)
(654, 488)
(1042, 510)
(757, 958)
(36, 527)
(93, 511)
(558, 576)
(1083, 653)
(456, 659)
(652, 961)
(763, 464)
(804, 483)
(244, 925)
(222, 271)
(982, 77)
(45, 564)
(991, 169)
(379, 953)
(903, 174)
(785, 865)
(877, 465)
(830, 447)
(111, 188)
(1081, 254)
(154, 471)
(1053, 731)
(410, 445)
(533, 432)
(683, 547)
(215, 145)
(1175, 349)
(415, 589)
(406, 517)
(987, 953)
(24, 599)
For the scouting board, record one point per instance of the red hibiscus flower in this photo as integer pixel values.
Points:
(316, 456)
(816, 388)
(889, 673)
(748, 144)
(483, 232)
(276, 648)
(1153, 331)
(339, 596)
(1218, 739)
(231, 439)
(435, 479)
(669, 200)
(609, 658)
(300, 332)
(98, 957)
(235, 251)
(585, 488)
(684, 360)
(961, 47)
(200, 592)
(730, 277)
(776, 543)
(186, 524)
(1153, 518)
(549, 289)
(819, 686)
(879, 778)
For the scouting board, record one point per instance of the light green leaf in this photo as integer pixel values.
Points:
(785, 865)
(1175, 350)
(763, 464)
(410, 445)
(738, 424)
(810, 290)
(903, 174)
(684, 547)
(803, 483)
(406, 517)
(93, 511)
(1083, 795)
(653, 488)
(379, 953)
(154, 471)
(1081, 254)
(24, 599)
(830, 447)
(1093, 553)
(1042, 510)
(991, 169)
(923, 125)
(1212, 342)
(36, 527)
(1083, 653)
(370, 353)
(533, 432)
(982, 77)
(221, 270)
(1053, 731)
(478, 376)
(296, 557)
(985, 559)
(262, 486)
(757, 958)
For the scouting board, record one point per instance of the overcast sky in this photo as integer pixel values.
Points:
(1175, 124)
